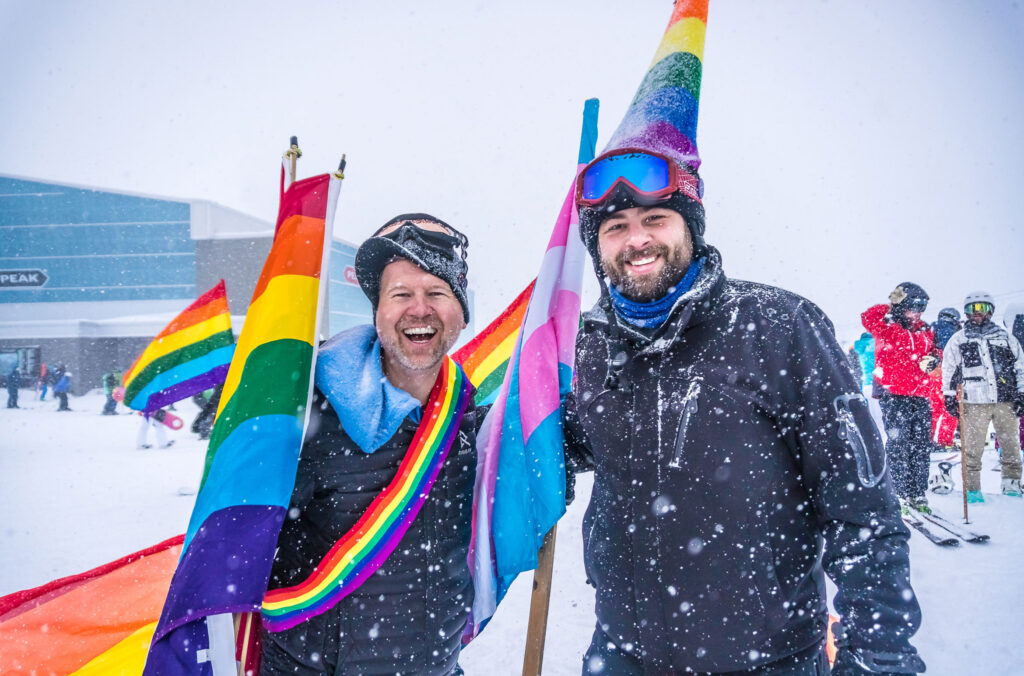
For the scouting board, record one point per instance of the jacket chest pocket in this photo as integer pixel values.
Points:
(689, 408)
(971, 353)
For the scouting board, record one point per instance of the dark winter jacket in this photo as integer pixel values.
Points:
(407, 617)
(731, 450)
(944, 327)
(898, 352)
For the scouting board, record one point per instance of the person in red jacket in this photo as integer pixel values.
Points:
(904, 355)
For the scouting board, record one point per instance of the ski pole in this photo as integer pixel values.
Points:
(963, 447)
(536, 631)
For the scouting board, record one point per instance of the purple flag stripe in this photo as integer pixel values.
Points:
(181, 390)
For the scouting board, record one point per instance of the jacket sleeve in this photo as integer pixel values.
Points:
(873, 319)
(578, 456)
(842, 460)
(951, 364)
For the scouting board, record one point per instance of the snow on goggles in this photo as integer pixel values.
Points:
(435, 235)
(979, 308)
(649, 175)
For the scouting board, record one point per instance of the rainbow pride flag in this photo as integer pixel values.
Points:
(520, 440)
(361, 551)
(485, 358)
(97, 622)
(253, 454)
(190, 355)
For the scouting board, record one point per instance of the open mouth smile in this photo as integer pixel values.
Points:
(419, 334)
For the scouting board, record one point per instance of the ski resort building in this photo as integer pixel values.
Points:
(89, 276)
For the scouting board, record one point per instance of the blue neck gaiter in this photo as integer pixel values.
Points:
(653, 314)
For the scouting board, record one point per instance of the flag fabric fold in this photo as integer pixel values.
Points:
(253, 453)
(190, 355)
(96, 622)
(520, 484)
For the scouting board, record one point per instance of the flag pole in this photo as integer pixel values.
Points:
(540, 601)
(292, 155)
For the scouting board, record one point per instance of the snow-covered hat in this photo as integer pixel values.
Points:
(442, 254)
(663, 118)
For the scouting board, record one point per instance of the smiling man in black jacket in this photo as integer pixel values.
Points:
(735, 459)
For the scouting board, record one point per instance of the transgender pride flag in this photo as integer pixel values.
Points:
(520, 440)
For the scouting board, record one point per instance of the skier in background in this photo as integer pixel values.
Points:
(734, 456)
(989, 363)
(111, 380)
(61, 389)
(13, 383)
(904, 356)
(43, 383)
(947, 323)
(142, 437)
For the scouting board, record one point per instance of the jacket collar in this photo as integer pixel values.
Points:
(690, 309)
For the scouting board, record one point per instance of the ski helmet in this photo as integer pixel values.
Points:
(440, 251)
(941, 481)
(978, 297)
(908, 296)
(949, 314)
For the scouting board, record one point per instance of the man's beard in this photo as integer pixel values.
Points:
(647, 288)
(393, 346)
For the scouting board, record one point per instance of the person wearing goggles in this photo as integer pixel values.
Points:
(905, 355)
(373, 386)
(989, 363)
(682, 372)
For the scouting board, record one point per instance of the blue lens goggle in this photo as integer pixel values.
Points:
(647, 174)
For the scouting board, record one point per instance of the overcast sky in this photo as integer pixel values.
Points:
(847, 146)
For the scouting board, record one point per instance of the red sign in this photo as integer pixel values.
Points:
(350, 275)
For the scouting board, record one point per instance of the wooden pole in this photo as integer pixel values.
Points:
(540, 601)
(293, 154)
(963, 447)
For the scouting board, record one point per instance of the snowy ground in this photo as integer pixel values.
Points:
(75, 493)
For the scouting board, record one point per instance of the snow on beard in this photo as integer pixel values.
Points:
(647, 288)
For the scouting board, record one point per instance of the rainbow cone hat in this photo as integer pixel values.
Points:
(663, 115)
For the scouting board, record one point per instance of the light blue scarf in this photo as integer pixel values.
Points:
(349, 373)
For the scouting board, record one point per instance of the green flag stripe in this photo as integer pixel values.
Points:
(275, 381)
(169, 361)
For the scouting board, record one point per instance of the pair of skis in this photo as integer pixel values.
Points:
(948, 533)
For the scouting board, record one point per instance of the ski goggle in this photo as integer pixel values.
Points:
(650, 175)
(978, 308)
(441, 237)
(918, 304)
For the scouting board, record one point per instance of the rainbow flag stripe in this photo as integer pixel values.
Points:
(663, 114)
(253, 453)
(96, 622)
(368, 544)
(485, 358)
(190, 355)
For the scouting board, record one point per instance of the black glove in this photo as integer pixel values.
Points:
(861, 662)
(952, 406)
(1018, 406)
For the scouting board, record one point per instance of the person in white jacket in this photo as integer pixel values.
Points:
(988, 365)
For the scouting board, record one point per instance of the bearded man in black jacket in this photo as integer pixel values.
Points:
(735, 458)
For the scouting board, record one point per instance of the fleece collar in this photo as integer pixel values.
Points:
(350, 375)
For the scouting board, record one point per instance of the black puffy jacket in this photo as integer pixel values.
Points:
(734, 459)
(409, 615)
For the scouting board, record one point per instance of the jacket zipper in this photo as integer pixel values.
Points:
(689, 409)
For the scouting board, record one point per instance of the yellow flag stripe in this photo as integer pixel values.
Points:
(127, 657)
(285, 310)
